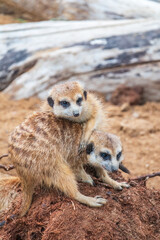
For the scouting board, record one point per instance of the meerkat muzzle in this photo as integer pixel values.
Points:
(75, 114)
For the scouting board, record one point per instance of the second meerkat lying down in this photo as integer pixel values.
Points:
(104, 153)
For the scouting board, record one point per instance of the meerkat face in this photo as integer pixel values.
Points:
(105, 150)
(67, 100)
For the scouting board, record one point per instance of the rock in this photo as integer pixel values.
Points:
(125, 107)
(135, 114)
(128, 95)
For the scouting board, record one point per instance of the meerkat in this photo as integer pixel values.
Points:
(70, 101)
(42, 147)
(104, 152)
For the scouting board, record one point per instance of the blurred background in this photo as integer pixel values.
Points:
(112, 46)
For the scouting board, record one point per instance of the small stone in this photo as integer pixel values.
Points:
(125, 107)
(135, 115)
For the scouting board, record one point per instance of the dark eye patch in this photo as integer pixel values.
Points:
(90, 148)
(50, 101)
(119, 155)
(64, 104)
(85, 94)
(105, 156)
(79, 101)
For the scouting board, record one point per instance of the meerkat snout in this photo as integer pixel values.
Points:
(75, 114)
(105, 150)
(68, 100)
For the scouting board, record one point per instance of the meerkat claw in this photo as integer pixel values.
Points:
(96, 202)
(124, 184)
(100, 200)
(82, 146)
(121, 185)
(98, 196)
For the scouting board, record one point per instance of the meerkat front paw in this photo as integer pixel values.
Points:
(97, 201)
(120, 186)
(88, 180)
(82, 176)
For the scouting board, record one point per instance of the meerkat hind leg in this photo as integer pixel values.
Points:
(28, 188)
(101, 173)
(65, 181)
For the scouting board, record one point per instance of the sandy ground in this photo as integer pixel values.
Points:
(138, 128)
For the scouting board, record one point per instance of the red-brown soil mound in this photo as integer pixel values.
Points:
(129, 214)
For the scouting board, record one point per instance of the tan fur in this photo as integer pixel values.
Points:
(43, 149)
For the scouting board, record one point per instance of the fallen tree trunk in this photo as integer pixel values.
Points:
(104, 54)
(85, 9)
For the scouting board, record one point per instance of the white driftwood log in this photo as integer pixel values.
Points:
(103, 54)
(86, 9)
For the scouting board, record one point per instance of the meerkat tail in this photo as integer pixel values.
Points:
(9, 187)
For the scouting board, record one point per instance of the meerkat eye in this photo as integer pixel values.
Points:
(105, 156)
(79, 101)
(119, 155)
(64, 104)
(90, 148)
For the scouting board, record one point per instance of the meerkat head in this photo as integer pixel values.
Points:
(105, 150)
(67, 100)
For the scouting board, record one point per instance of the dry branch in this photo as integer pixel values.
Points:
(146, 177)
(4, 155)
(10, 167)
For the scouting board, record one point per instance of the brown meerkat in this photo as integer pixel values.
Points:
(70, 101)
(43, 147)
(104, 152)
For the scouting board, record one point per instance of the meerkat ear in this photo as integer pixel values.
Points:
(90, 148)
(85, 94)
(50, 102)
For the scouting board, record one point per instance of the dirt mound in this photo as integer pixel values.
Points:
(131, 95)
(129, 214)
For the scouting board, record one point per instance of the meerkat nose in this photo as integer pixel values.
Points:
(114, 169)
(76, 114)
